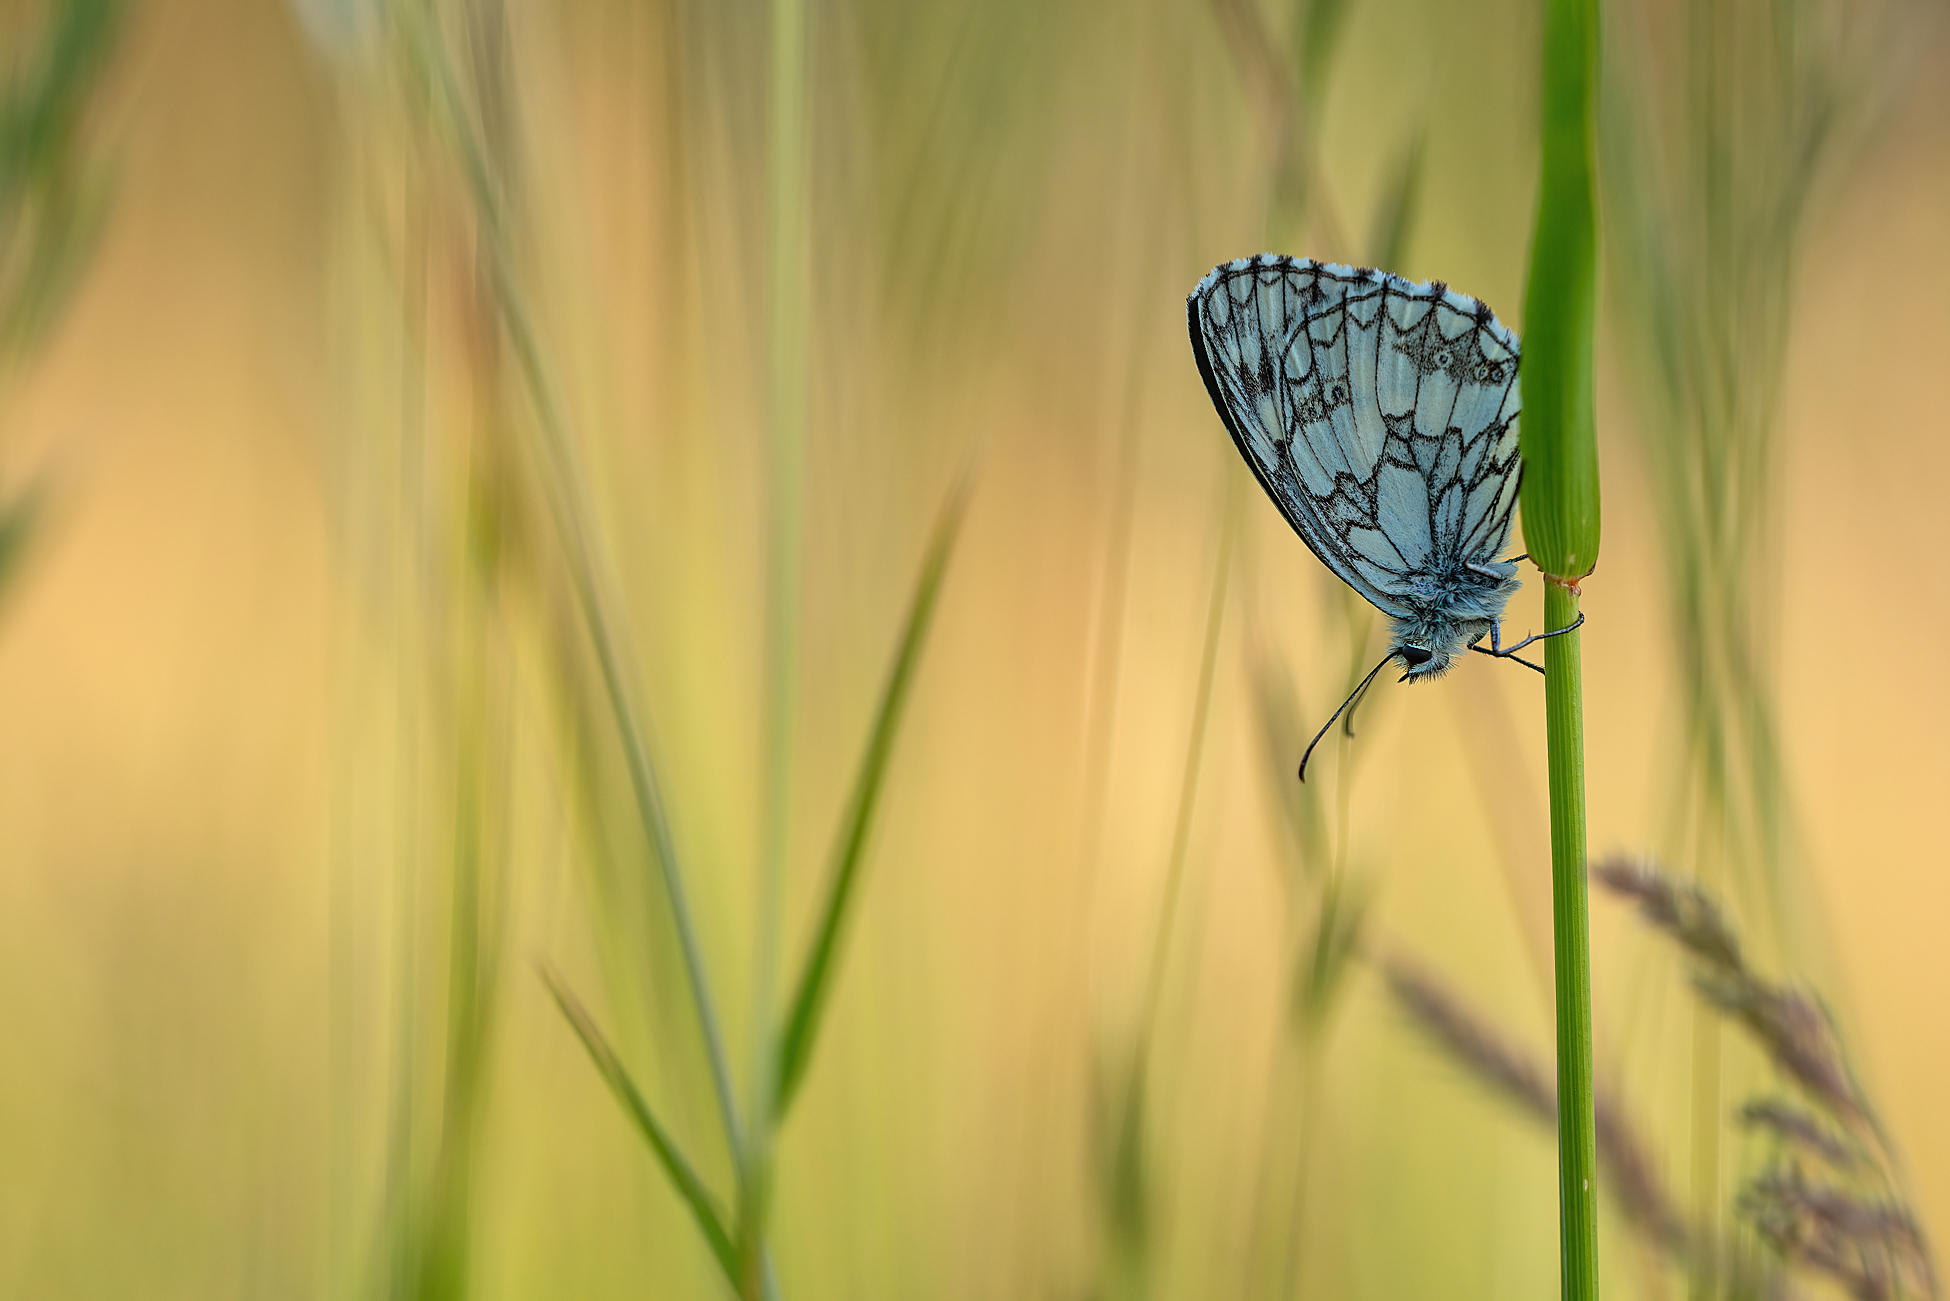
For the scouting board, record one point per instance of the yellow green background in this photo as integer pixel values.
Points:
(292, 599)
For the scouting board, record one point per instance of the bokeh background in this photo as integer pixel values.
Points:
(307, 768)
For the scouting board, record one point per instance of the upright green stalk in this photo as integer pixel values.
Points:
(1577, 1138)
(569, 502)
(1560, 524)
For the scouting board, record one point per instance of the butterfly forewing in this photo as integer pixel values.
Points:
(1379, 414)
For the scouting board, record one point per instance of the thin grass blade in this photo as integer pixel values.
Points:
(815, 980)
(1319, 33)
(1395, 216)
(682, 1175)
(18, 521)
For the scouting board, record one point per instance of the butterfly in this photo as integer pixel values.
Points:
(1380, 415)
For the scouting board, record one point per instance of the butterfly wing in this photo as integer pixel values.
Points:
(1379, 414)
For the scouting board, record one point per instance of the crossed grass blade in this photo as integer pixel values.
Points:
(568, 499)
(683, 1176)
(815, 979)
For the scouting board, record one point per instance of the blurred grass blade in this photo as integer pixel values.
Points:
(569, 502)
(1319, 36)
(1297, 194)
(18, 521)
(610, 1067)
(1124, 1193)
(1337, 937)
(1395, 216)
(51, 208)
(809, 1000)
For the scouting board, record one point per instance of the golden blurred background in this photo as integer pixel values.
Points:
(308, 769)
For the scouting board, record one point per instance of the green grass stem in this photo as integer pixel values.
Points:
(1577, 1139)
(683, 1176)
(1561, 532)
(815, 979)
(1560, 317)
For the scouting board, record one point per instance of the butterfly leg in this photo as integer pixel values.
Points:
(1502, 652)
(1490, 571)
(1506, 655)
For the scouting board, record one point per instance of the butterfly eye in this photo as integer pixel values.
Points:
(1414, 656)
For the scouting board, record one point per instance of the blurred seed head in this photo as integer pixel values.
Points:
(1800, 1128)
(1872, 1248)
(1680, 909)
(1793, 1029)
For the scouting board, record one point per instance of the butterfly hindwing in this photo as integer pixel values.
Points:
(1379, 414)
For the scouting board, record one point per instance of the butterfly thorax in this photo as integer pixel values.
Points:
(1447, 612)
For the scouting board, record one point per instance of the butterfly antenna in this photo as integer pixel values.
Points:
(1353, 698)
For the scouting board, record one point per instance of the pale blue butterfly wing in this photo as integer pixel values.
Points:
(1381, 416)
